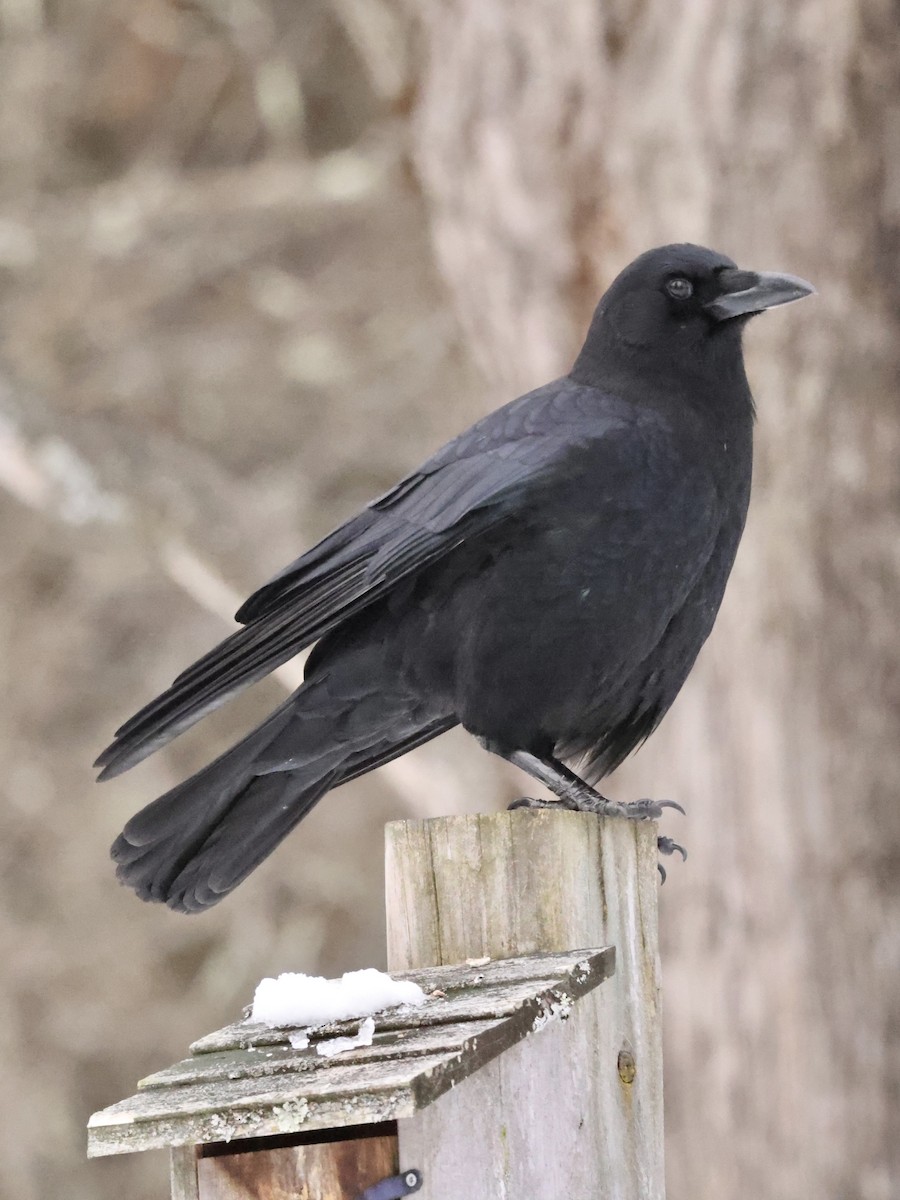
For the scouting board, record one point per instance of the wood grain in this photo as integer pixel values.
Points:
(183, 1173)
(577, 1110)
(332, 1170)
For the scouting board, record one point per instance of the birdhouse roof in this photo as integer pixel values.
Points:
(247, 1080)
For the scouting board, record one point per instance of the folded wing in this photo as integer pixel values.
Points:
(464, 490)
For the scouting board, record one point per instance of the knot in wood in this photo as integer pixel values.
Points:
(627, 1067)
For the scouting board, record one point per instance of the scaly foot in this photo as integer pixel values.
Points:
(585, 799)
(590, 801)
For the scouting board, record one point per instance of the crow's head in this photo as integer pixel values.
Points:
(682, 302)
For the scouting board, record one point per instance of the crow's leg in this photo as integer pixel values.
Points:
(575, 794)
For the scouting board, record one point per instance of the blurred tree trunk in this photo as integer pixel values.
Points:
(553, 143)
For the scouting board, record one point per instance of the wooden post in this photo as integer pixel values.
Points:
(575, 1112)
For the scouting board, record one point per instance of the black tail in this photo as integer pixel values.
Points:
(195, 844)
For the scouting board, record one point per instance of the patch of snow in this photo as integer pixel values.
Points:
(294, 999)
(333, 1046)
(300, 1040)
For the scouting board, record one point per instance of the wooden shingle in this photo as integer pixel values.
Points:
(246, 1080)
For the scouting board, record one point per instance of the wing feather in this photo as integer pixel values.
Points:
(464, 490)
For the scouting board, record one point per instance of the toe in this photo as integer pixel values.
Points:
(665, 845)
(671, 804)
(650, 810)
(643, 810)
(525, 802)
(534, 802)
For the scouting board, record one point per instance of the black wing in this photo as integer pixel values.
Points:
(462, 491)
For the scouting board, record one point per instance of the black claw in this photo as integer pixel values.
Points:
(652, 809)
(665, 845)
(671, 804)
(525, 802)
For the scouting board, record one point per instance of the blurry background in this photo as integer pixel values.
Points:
(257, 258)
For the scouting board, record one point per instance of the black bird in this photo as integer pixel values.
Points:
(546, 580)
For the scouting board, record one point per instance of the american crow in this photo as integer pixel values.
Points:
(546, 580)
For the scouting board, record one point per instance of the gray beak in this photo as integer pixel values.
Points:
(747, 292)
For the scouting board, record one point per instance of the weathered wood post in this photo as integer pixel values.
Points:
(529, 1072)
(581, 1113)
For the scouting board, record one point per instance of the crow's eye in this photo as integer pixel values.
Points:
(680, 288)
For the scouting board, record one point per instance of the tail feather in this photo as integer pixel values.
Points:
(162, 838)
(264, 814)
(195, 844)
